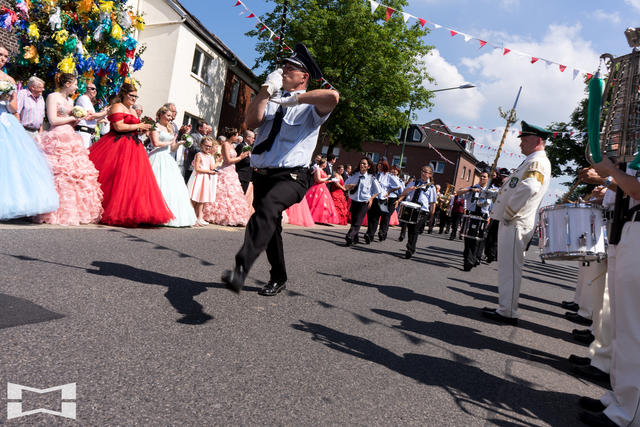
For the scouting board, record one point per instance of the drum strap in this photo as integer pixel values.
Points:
(416, 193)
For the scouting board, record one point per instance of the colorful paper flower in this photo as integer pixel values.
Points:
(33, 31)
(61, 36)
(124, 19)
(138, 63)
(85, 6)
(31, 53)
(55, 20)
(67, 65)
(106, 6)
(140, 23)
(116, 31)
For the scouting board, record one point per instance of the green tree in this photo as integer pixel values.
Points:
(375, 65)
(567, 153)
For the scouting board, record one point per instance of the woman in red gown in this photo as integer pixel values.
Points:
(131, 193)
(323, 211)
(339, 199)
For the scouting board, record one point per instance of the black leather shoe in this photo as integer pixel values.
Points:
(579, 361)
(584, 339)
(488, 309)
(348, 241)
(493, 315)
(591, 372)
(489, 260)
(272, 288)
(468, 267)
(581, 332)
(234, 279)
(589, 404)
(401, 238)
(407, 254)
(570, 305)
(367, 239)
(596, 420)
(576, 318)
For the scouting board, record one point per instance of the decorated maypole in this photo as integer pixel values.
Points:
(90, 38)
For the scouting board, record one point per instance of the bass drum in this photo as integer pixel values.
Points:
(572, 231)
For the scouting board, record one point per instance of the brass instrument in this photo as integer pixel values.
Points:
(445, 198)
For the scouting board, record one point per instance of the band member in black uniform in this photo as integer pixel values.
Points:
(422, 192)
(287, 135)
(363, 188)
(477, 205)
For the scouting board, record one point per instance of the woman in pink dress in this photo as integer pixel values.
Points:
(337, 194)
(299, 214)
(76, 178)
(323, 210)
(230, 206)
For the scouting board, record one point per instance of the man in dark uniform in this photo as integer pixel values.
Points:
(287, 135)
(243, 167)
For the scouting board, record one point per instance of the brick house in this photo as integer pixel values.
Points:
(8, 39)
(456, 166)
(239, 89)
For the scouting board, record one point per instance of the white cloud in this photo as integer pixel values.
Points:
(465, 103)
(634, 3)
(612, 17)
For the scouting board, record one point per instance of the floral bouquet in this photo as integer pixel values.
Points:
(6, 87)
(78, 112)
(247, 148)
(149, 121)
(188, 140)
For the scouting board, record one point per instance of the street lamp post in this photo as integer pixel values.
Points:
(404, 140)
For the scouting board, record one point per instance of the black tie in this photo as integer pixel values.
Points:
(355, 189)
(275, 130)
(416, 193)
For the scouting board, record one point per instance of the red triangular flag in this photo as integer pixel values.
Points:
(534, 59)
(506, 51)
(251, 15)
(453, 33)
(422, 22)
(562, 67)
(482, 43)
(238, 3)
(263, 27)
(389, 12)
(589, 75)
(555, 134)
(276, 38)
(287, 48)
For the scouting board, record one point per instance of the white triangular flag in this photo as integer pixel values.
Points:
(548, 63)
(575, 73)
(467, 37)
(374, 6)
(405, 16)
(436, 25)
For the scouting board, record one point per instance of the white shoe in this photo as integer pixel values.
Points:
(202, 222)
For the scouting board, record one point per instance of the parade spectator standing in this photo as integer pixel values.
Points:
(515, 208)
(190, 152)
(243, 167)
(457, 205)
(331, 161)
(30, 111)
(87, 128)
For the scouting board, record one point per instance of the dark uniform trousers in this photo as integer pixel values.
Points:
(273, 193)
(358, 211)
(491, 242)
(375, 215)
(414, 229)
(444, 220)
(455, 222)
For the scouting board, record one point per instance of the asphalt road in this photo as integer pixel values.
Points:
(139, 320)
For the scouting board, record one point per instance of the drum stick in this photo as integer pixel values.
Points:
(571, 190)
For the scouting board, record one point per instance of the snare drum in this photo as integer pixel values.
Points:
(409, 212)
(572, 231)
(473, 227)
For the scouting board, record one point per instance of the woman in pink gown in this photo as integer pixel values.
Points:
(337, 194)
(231, 206)
(323, 210)
(75, 176)
(299, 214)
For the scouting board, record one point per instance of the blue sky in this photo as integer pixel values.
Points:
(573, 33)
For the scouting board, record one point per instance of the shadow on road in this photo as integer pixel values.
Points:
(16, 311)
(467, 385)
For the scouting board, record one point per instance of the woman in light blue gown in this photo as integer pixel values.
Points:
(167, 172)
(26, 182)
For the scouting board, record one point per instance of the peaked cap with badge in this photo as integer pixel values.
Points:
(303, 59)
(528, 129)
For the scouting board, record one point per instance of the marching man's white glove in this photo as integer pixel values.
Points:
(289, 101)
(273, 82)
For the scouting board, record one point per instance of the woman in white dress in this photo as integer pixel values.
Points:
(167, 172)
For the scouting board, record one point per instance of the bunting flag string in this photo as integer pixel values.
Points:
(262, 26)
(571, 134)
(474, 143)
(467, 37)
(440, 154)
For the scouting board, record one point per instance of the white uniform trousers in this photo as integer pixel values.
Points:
(591, 280)
(579, 284)
(623, 402)
(602, 346)
(512, 242)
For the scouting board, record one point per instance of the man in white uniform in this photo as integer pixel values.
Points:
(516, 208)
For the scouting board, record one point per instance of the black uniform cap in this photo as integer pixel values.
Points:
(302, 58)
